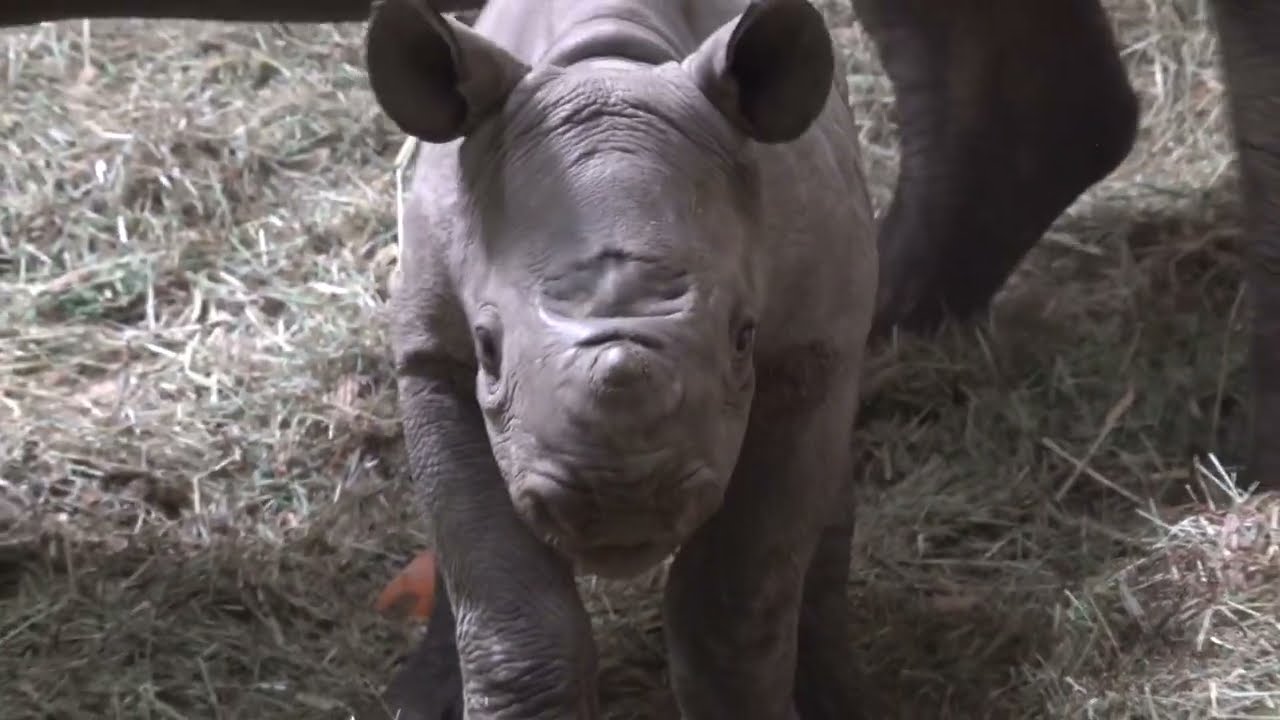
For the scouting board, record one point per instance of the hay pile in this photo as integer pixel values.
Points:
(201, 487)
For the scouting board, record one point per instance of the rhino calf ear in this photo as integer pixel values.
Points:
(769, 70)
(435, 78)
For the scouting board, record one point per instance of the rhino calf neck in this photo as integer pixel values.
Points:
(638, 272)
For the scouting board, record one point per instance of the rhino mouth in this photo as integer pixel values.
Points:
(623, 540)
(621, 561)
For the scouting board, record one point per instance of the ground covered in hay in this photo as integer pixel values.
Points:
(201, 488)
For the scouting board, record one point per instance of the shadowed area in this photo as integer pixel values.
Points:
(201, 481)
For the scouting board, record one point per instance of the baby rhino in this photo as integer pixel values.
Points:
(637, 275)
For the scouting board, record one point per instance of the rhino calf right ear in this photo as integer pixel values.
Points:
(770, 70)
(434, 77)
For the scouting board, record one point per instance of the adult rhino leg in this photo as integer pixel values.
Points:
(1250, 47)
(1009, 110)
(735, 589)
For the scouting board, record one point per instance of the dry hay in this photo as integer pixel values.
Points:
(201, 488)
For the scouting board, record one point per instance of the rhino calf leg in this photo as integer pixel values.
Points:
(735, 590)
(827, 685)
(1251, 62)
(429, 685)
(1009, 110)
(521, 635)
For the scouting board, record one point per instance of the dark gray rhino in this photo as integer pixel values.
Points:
(1009, 111)
(636, 281)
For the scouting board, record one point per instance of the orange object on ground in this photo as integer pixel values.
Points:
(412, 593)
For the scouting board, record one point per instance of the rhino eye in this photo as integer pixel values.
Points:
(487, 351)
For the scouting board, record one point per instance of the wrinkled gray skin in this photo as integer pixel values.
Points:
(637, 278)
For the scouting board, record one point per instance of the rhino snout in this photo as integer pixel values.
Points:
(617, 531)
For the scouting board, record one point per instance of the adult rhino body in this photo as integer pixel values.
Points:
(637, 277)
(1010, 110)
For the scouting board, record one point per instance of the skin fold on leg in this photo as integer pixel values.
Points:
(735, 592)
(522, 635)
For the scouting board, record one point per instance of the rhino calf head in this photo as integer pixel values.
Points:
(604, 219)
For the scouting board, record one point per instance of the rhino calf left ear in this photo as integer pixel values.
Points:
(769, 70)
(434, 77)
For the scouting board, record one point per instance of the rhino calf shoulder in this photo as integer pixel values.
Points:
(637, 276)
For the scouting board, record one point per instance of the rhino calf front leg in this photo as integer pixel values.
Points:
(736, 589)
(522, 635)
(828, 687)
(1251, 61)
